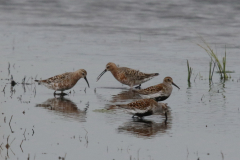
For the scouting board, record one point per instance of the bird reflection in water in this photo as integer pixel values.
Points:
(123, 96)
(145, 128)
(65, 107)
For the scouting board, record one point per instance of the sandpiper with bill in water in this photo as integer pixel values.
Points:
(145, 107)
(64, 81)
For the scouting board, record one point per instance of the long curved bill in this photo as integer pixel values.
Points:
(101, 74)
(87, 81)
(175, 85)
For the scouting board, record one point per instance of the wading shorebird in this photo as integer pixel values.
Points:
(158, 92)
(64, 81)
(145, 107)
(127, 76)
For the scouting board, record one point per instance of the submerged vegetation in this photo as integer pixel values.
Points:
(211, 70)
(102, 111)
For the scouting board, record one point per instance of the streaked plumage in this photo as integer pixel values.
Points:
(145, 107)
(127, 76)
(159, 92)
(64, 81)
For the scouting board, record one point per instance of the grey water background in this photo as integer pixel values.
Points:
(46, 38)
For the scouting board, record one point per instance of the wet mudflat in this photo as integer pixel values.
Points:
(46, 38)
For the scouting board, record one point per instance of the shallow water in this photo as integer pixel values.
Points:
(45, 38)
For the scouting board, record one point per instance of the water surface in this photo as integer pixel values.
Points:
(41, 39)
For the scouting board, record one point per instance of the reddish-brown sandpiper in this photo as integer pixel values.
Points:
(127, 76)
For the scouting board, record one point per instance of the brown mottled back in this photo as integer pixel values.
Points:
(142, 104)
(135, 74)
(58, 78)
(152, 89)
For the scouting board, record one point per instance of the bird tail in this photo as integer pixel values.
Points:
(152, 75)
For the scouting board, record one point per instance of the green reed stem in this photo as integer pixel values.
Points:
(210, 72)
(221, 66)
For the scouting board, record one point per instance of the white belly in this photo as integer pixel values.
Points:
(151, 95)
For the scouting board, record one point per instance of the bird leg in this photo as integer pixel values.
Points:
(138, 87)
(166, 117)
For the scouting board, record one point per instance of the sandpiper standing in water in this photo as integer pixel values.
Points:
(128, 76)
(158, 92)
(145, 107)
(64, 81)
